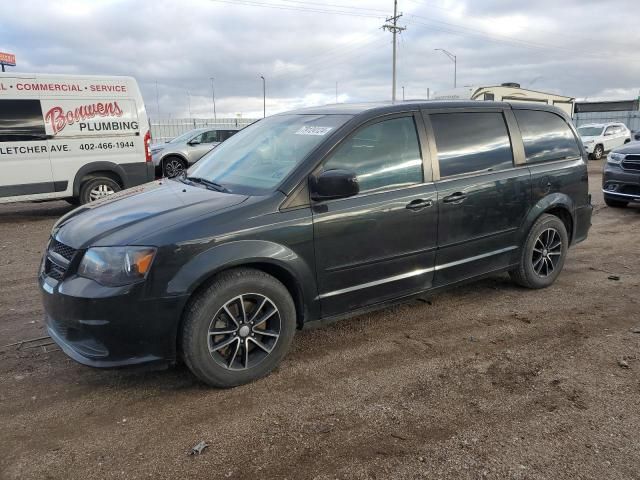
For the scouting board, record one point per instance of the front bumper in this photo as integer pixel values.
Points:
(619, 184)
(110, 327)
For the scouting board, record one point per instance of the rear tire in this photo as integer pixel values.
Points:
(543, 253)
(255, 320)
(615, 203)
(95, 188)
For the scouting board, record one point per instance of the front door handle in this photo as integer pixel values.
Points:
(419, 204)
(457, 197)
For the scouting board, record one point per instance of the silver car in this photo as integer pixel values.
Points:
(175, 156)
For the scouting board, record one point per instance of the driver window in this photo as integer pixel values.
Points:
(196, 139)
(609, 131)
(382, 155)
(210, 137)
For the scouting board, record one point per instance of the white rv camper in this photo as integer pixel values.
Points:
(508, 92)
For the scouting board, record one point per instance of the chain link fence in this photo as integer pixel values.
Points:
(630, 118)
(166, 129)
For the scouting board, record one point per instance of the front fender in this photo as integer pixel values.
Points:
(240, 253)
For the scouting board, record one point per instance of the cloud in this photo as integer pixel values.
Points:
(563, 47)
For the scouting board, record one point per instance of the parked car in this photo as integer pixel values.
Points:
(74, 137)
(621, 176)
(599, 138)
(174, 157)
(314, 215)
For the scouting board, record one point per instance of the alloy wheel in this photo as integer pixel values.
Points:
(173, 168)
(100, 191)
(597, 153)
(244, 331)
(547, 251)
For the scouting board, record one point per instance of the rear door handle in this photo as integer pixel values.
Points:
(457, 197)
(419, 204)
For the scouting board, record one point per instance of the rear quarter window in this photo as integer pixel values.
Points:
(546, 136)
(21, 121)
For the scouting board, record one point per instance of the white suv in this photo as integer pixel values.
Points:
(599, 138)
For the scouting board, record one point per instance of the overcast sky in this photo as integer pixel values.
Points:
(579, 48)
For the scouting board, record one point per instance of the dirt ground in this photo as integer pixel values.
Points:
(487, 381)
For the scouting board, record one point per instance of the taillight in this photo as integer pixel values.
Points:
(147, 146)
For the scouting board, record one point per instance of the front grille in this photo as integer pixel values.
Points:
(62, 249)
(54, 271)
(57, 259)
(631, 165)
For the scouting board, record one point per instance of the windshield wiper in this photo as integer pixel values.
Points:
(209, 184)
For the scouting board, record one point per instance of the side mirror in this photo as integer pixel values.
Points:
(333, 184)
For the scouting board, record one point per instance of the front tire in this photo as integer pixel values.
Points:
(598, 152)
(543, 253)
(615, 203)
(173, 167)
(238, 329)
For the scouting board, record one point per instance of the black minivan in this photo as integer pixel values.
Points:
(313, 215)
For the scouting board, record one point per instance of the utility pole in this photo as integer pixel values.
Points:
(428, 93)
(336, 92)
(403, 93)
(392, 26)
(264, 97)
(213, 99)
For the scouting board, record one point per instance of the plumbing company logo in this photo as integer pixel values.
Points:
(59, 119)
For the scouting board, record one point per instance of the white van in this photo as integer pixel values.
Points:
(73, 137)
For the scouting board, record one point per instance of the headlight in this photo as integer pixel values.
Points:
(117, 266)
(615, 158)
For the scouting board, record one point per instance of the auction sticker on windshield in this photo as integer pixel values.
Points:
(313, 130)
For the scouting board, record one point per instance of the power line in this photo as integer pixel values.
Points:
(331, 54)
(502, 39)
(254, 3)
(315, 4)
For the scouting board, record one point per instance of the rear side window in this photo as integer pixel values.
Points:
(469, 142)
(546, 136)
(21, 121)
(382, 155)
(224, 134)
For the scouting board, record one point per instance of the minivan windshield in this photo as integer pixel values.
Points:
(589, 131)
(256, 159)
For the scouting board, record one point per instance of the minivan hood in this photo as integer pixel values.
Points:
(123, 217)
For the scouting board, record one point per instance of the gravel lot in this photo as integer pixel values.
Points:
(486, 381)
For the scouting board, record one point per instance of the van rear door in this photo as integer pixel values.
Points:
(24, 154)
